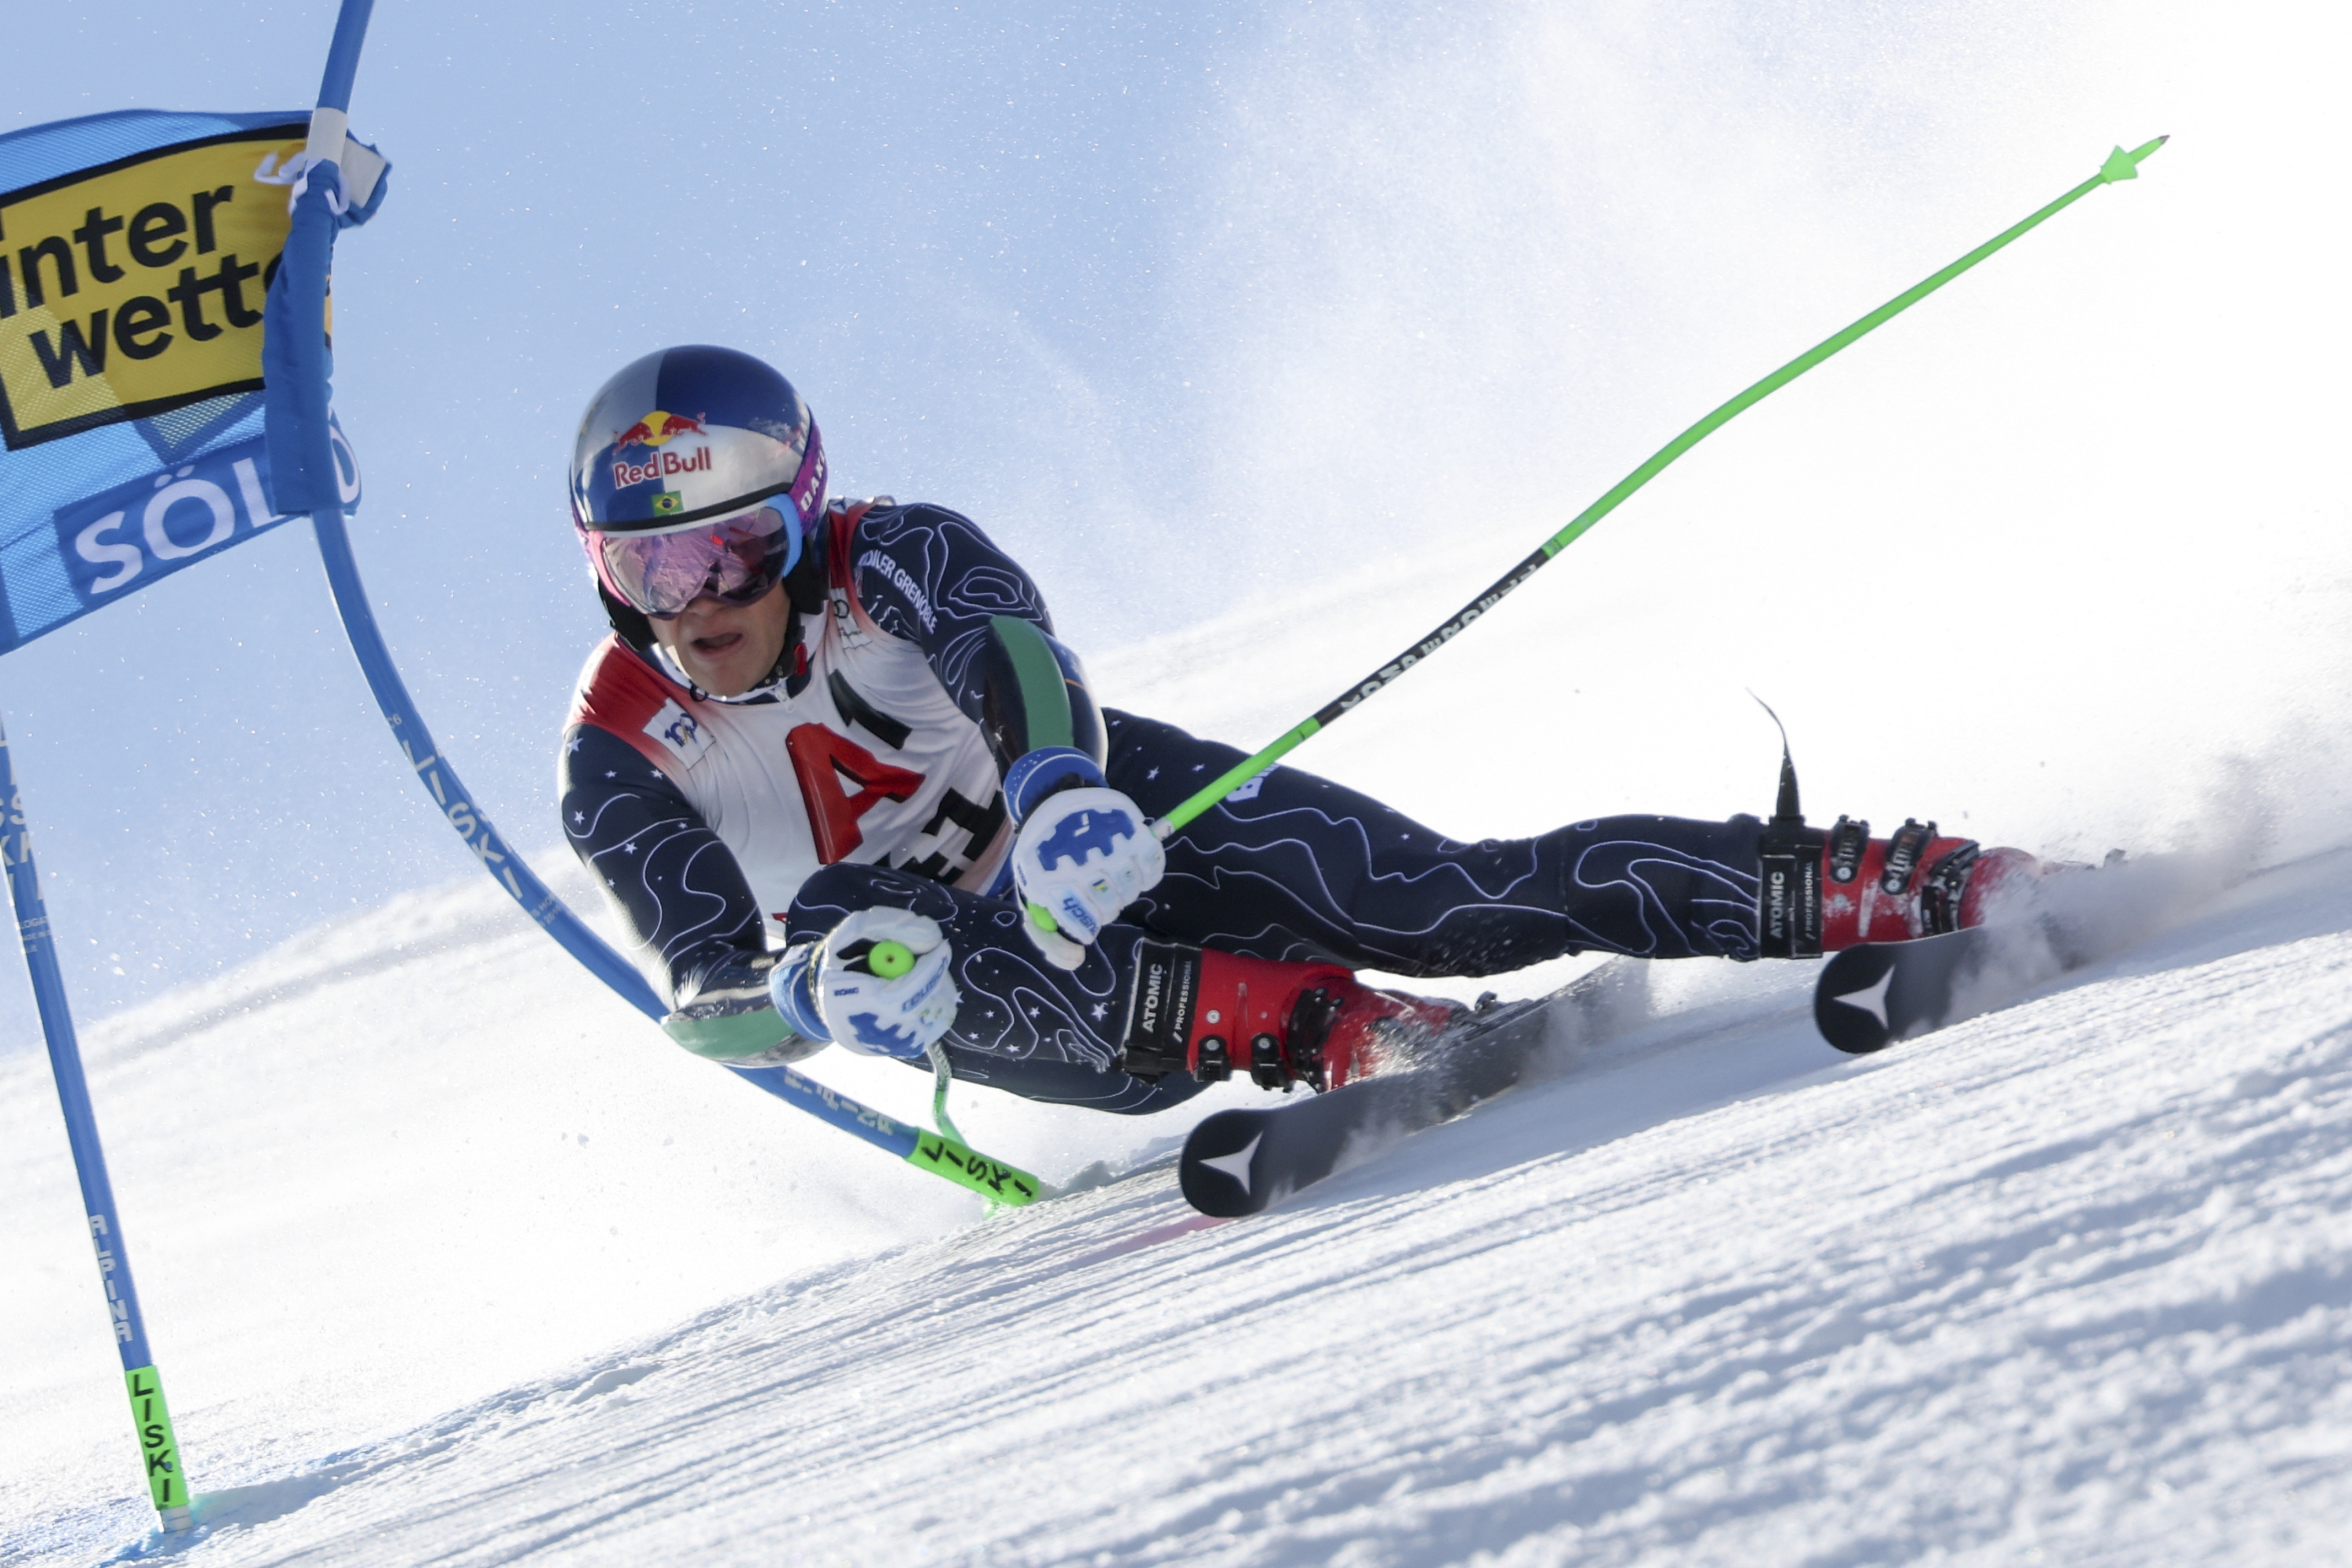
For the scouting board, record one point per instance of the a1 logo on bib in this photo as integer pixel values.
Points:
(686, 736)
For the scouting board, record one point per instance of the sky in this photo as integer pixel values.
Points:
(1209, 311)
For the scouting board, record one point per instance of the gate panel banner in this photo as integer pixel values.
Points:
(136, 252)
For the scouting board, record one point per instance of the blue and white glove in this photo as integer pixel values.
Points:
(1084, 851)
(877, 985)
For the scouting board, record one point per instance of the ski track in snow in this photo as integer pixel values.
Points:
(2072, 1282)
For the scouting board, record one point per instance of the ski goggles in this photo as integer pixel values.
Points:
(736, 560)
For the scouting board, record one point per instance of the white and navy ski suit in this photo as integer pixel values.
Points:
(866, 772)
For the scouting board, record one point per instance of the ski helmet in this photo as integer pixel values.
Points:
(696, 469)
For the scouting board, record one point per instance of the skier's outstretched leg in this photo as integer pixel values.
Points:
(1295, 867)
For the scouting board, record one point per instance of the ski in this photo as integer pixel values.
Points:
(1239, 1162)
(1872, 995)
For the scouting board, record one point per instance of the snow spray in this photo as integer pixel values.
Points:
(2120, 165)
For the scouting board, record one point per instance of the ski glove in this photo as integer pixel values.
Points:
(869, 997)
(1083, 854)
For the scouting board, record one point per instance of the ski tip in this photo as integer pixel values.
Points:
(1850, 1005)
(1219, 1173)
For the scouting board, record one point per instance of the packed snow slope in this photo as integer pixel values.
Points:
(447, 1256)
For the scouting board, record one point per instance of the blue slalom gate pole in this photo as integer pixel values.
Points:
(942, 1156)
(441, 782)
(309, 479)
(306, 477)
(344, 55)
(167, 1483)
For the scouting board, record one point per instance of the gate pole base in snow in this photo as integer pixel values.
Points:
(159, 1448)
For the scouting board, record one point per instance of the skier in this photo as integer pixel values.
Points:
(854, 719)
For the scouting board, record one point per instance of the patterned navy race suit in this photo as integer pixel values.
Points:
(874, 742)
(696, 833)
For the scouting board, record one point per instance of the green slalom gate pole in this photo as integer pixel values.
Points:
(2120, 165)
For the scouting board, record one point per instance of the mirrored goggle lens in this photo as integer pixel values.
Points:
(737, 559)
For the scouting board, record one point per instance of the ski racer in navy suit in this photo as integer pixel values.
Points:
(842, 783)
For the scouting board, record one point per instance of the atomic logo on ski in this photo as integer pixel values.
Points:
(1871, 999)
(1285, 1149)
(1927, 983)
(1237, 1165)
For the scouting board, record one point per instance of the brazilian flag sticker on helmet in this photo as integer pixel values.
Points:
(669, 502)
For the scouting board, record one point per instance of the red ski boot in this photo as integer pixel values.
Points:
(1211, 1013)
(1914, 884)
(1820, 891)
(1823, 892)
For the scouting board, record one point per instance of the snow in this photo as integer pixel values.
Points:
(447, 1257)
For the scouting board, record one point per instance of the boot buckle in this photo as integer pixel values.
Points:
(1311, 1027)
(1267, 1070)
(1946, 885)
(1848, 842)
(1902, 852)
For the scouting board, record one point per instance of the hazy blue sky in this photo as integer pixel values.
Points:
(1184, 304)
(927, 220)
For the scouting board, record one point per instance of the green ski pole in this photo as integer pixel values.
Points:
(2120, 165)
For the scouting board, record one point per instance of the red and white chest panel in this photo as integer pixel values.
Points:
(871, 761)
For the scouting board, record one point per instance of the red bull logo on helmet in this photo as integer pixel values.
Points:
(669, 467)
(661, 466)
(656, 429)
